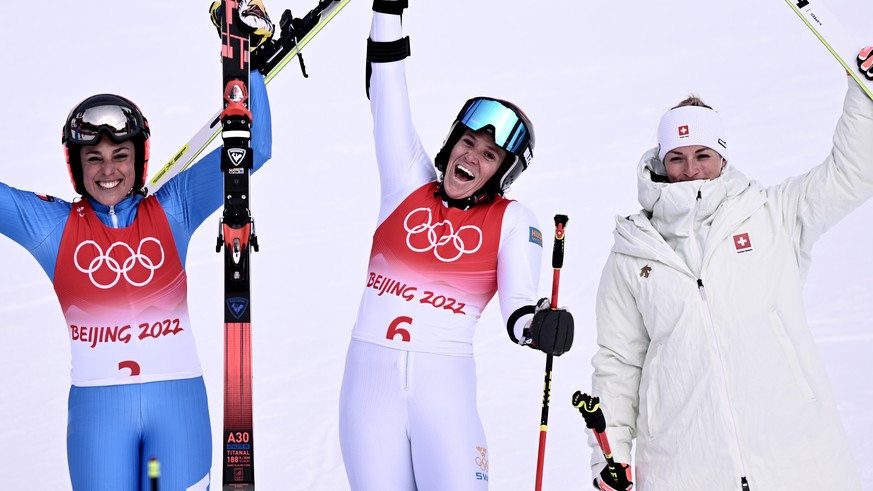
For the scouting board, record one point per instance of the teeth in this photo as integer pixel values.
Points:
(108, 185)
(466, 171)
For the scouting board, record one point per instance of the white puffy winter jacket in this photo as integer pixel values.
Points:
(712, 368)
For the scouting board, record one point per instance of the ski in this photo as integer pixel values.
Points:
(236, 235)
(271, 58)
(831, 33)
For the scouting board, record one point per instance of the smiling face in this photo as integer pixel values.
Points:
(692, 163)
(108, 170)
(472, 162)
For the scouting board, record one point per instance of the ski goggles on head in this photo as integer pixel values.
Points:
(84, 127)
(510, 131)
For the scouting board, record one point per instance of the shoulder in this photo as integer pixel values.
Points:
(519, 221)
(515, 211)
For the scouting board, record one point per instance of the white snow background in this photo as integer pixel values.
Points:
(594, 77)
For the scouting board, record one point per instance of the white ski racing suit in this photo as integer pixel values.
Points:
(408, 416)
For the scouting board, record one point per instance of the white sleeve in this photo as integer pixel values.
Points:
(518, 262)
(815, 201)
(404, 165)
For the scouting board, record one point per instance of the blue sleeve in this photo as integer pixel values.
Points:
(35, 222)
(194, 194)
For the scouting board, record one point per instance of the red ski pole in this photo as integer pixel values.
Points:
(590, 408)
(557, 263)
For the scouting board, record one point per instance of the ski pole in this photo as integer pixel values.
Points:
(590, 408)
(154, 469)
(557, 263)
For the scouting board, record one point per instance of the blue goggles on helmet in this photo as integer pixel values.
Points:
(119, 122)
(510, 131)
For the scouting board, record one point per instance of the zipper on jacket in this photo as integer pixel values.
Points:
(113, 216)
(743, 482)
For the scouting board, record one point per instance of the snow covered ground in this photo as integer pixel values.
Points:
(594, 77)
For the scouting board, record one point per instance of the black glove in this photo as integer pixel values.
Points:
(551, 330)
(865, 62)
(394, 7)
(615, 478)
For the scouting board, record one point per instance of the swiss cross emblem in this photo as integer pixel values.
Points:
(742, 242)
(684, 131)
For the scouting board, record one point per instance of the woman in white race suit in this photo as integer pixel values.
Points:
(705, 356)
(442, 248)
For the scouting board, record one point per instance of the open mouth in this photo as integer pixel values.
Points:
(463, 174)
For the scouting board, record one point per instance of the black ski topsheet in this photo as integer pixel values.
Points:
(237, 238)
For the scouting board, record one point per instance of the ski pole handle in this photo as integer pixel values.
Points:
(558, 256)
(590, 408)
(154, 470)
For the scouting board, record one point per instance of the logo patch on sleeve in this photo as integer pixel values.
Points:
(45, 197)
(536, 236)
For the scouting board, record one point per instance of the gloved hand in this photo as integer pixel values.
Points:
(254, 17)
(617, 478)
(551, 330)
(865, 62)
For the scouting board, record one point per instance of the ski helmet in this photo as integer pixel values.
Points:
(110, 115)
(512, 131)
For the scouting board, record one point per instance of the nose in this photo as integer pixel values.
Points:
(691, 169)
(107, 168)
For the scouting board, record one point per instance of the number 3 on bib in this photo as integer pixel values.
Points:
(394, 329)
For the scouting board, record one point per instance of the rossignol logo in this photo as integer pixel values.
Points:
(236, 155)
(237, 306)
(105, 269)
(447, 244)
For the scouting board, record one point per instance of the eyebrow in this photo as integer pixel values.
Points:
(696, 152)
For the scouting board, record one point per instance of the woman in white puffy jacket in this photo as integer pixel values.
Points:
(705, 356)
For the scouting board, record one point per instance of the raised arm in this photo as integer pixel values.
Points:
(35, 222)
(403, 163)
(815, 201)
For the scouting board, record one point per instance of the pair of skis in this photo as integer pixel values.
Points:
(236, 232)
(236, 235)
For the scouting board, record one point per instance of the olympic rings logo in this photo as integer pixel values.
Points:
(121, 269)
(448, 245)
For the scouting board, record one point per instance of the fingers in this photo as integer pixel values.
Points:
(865, 62)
